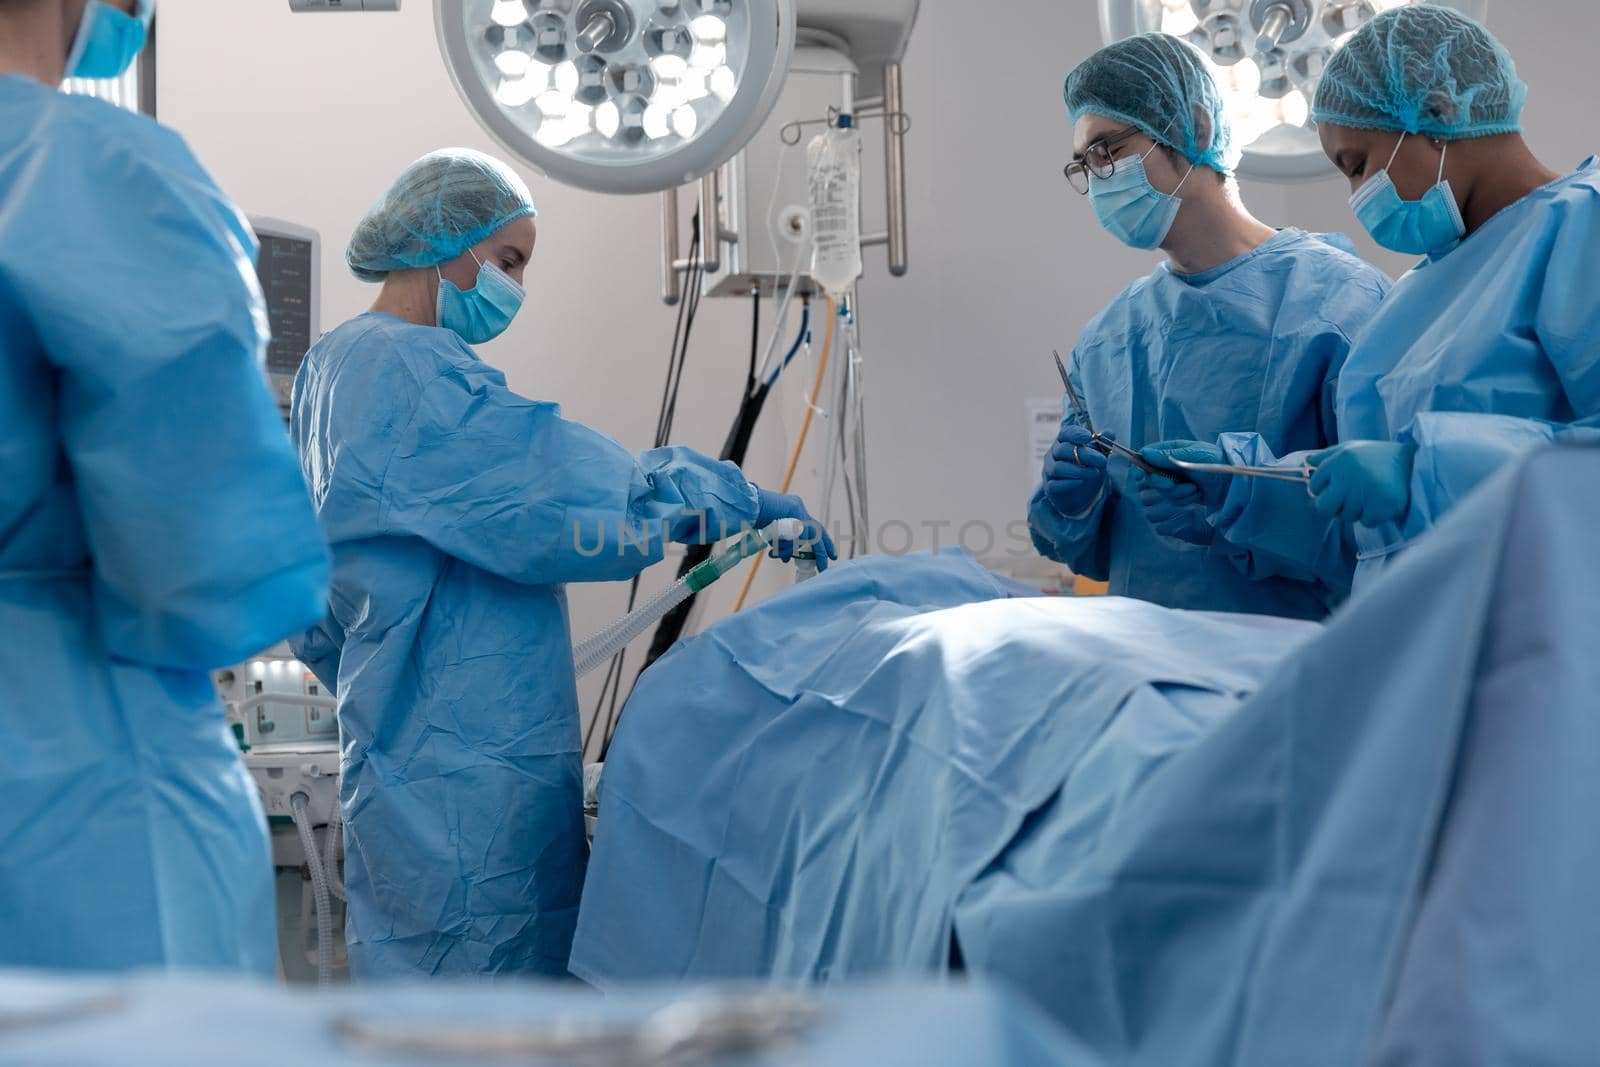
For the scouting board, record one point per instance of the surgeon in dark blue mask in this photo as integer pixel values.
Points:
(457, 511)
(1239, 324)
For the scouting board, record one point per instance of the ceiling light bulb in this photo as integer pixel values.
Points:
(515, 92)
(512, 63)
(708, 29)
(1179, 21)
(685, 122)
(554, 133)
(708, 56)
(566, 78)
(723, 83)
(1245, 77)
(694, 85)
(669, 68)
(1293, 109)
(553, 104)
(607, 119)
(509, 12)
(669, 96)
(657, 122)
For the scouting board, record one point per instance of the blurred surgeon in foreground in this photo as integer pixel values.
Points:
(1489, 346)
(457, 510)
(1240, 325)
(153, 523)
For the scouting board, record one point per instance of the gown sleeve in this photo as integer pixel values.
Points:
(137, 276)
(508, 485)
(1457, 451)
(1271, 527)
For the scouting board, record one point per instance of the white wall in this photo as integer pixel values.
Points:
(308, 117)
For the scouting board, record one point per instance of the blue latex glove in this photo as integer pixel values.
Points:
(1176, 511)
(1074, 472)
(1213, 488)
(1363, 481)
(770, 507)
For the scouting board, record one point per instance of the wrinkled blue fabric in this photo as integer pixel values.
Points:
(934, 716)
(188, 1023)
(456, 510)
(1474, 357)
(1385, 855)
(1307, 845)
(1257, 343)
(153, 525)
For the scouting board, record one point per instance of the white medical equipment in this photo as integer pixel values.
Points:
(288, 729)
(289, 267)
(1268, 56)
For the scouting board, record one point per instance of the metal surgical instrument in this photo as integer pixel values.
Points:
(1105, 444)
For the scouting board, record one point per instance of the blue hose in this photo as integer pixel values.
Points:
(800, 339)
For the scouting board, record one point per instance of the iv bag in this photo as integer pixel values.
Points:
(834, 162)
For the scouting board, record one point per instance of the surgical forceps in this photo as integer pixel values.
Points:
(1106, 446)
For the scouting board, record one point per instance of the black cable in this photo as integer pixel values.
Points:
(689, 312)
(755, 338)
(616, 670)
(688, 329)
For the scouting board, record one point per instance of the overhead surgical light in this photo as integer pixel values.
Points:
(619, 96)
(1268, 56)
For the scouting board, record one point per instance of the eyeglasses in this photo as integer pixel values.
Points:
(1096, 160)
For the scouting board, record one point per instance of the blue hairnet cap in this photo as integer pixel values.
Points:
(1161, 85)
(1423, 69)
(439, 207)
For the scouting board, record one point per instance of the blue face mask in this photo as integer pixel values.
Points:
(1130, 208)
(1427, 227)
(483, 312)
(108, 40)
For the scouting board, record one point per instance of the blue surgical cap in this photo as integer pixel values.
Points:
(439, 207)
(1161, 85)
(1423, 69)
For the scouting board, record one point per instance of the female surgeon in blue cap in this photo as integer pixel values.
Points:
(457, 510)
(1487, 347)
(1239, 325)
(153, 523)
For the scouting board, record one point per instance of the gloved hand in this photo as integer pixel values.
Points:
(1212, 487)
(770, 507)
(1075, 471)
(1176, 510)
(1363, 481)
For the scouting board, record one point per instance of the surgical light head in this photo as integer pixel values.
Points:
(619, 96)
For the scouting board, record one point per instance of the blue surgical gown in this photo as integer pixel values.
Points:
(456, 509)
(153, 524)
(1476, 356)
(1255, 343)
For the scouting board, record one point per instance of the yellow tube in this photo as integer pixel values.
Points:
(799, 446)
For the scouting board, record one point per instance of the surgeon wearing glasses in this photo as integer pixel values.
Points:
(1239, 325)
(1488, 347)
